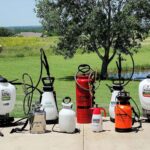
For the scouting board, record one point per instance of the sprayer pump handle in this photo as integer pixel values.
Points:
(118, 82)
(84, 68)
(67, 100)
(102, 109)
(50, 79)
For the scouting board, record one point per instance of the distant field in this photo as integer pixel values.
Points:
(29, 46)
(26, 46)
(13, 64)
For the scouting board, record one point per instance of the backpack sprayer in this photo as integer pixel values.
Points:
(85, 79)
(48, 109)
(118, 85)
(121, 108)
(144, 95)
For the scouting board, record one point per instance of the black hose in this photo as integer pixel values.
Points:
(139, 114)
(29, 94)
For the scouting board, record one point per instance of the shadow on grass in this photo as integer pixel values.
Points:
(66, 78)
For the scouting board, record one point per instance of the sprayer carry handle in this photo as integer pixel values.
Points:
(84, 68)
(67, 100)
(102, 109)
(50, 79)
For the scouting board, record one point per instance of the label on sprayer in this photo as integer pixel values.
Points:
(6, 95)
(96, 121)
(146, 91)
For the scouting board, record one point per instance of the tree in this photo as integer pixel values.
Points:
(49, 16)
(4, 32)
(101, 26)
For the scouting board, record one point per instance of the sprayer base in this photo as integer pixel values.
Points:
(123, 130)
(52, 121)
(6, 121)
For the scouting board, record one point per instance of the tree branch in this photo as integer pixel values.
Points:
(99, 55)
(104, 6)
(113, 55)
(120, 5)
(109, 23)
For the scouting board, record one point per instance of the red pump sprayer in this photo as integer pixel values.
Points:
(97, 120)
(85, 89)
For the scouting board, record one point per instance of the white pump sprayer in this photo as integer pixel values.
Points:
(7, 100)
(48, 100)
(67, 120)
(144, 95)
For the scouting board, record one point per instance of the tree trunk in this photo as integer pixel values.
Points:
(104, 67)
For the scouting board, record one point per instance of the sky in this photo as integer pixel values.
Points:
(17, 13)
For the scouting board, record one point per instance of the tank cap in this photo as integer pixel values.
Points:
(123, 96)
(148, 76)
(3, 80)
(67, 103)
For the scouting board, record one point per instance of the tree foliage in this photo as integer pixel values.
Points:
(4, 32)
(101, 26)
(49, 16)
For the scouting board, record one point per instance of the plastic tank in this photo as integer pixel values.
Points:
(7, 96)
(144, 95)
(67, 118)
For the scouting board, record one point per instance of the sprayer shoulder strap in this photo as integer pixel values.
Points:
(17, 130)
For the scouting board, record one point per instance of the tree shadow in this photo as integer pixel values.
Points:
(66, 78)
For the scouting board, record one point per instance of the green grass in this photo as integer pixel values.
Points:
(26, 46)
(12, 66)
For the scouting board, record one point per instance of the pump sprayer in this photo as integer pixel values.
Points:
(123, 113)
(7, 101)
(85, 79)
(144, 95)
(118, 85)
(47, 98)
(120, 109)
(67, 118)
(97, 120)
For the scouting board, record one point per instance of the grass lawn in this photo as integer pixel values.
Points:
(14, 67)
